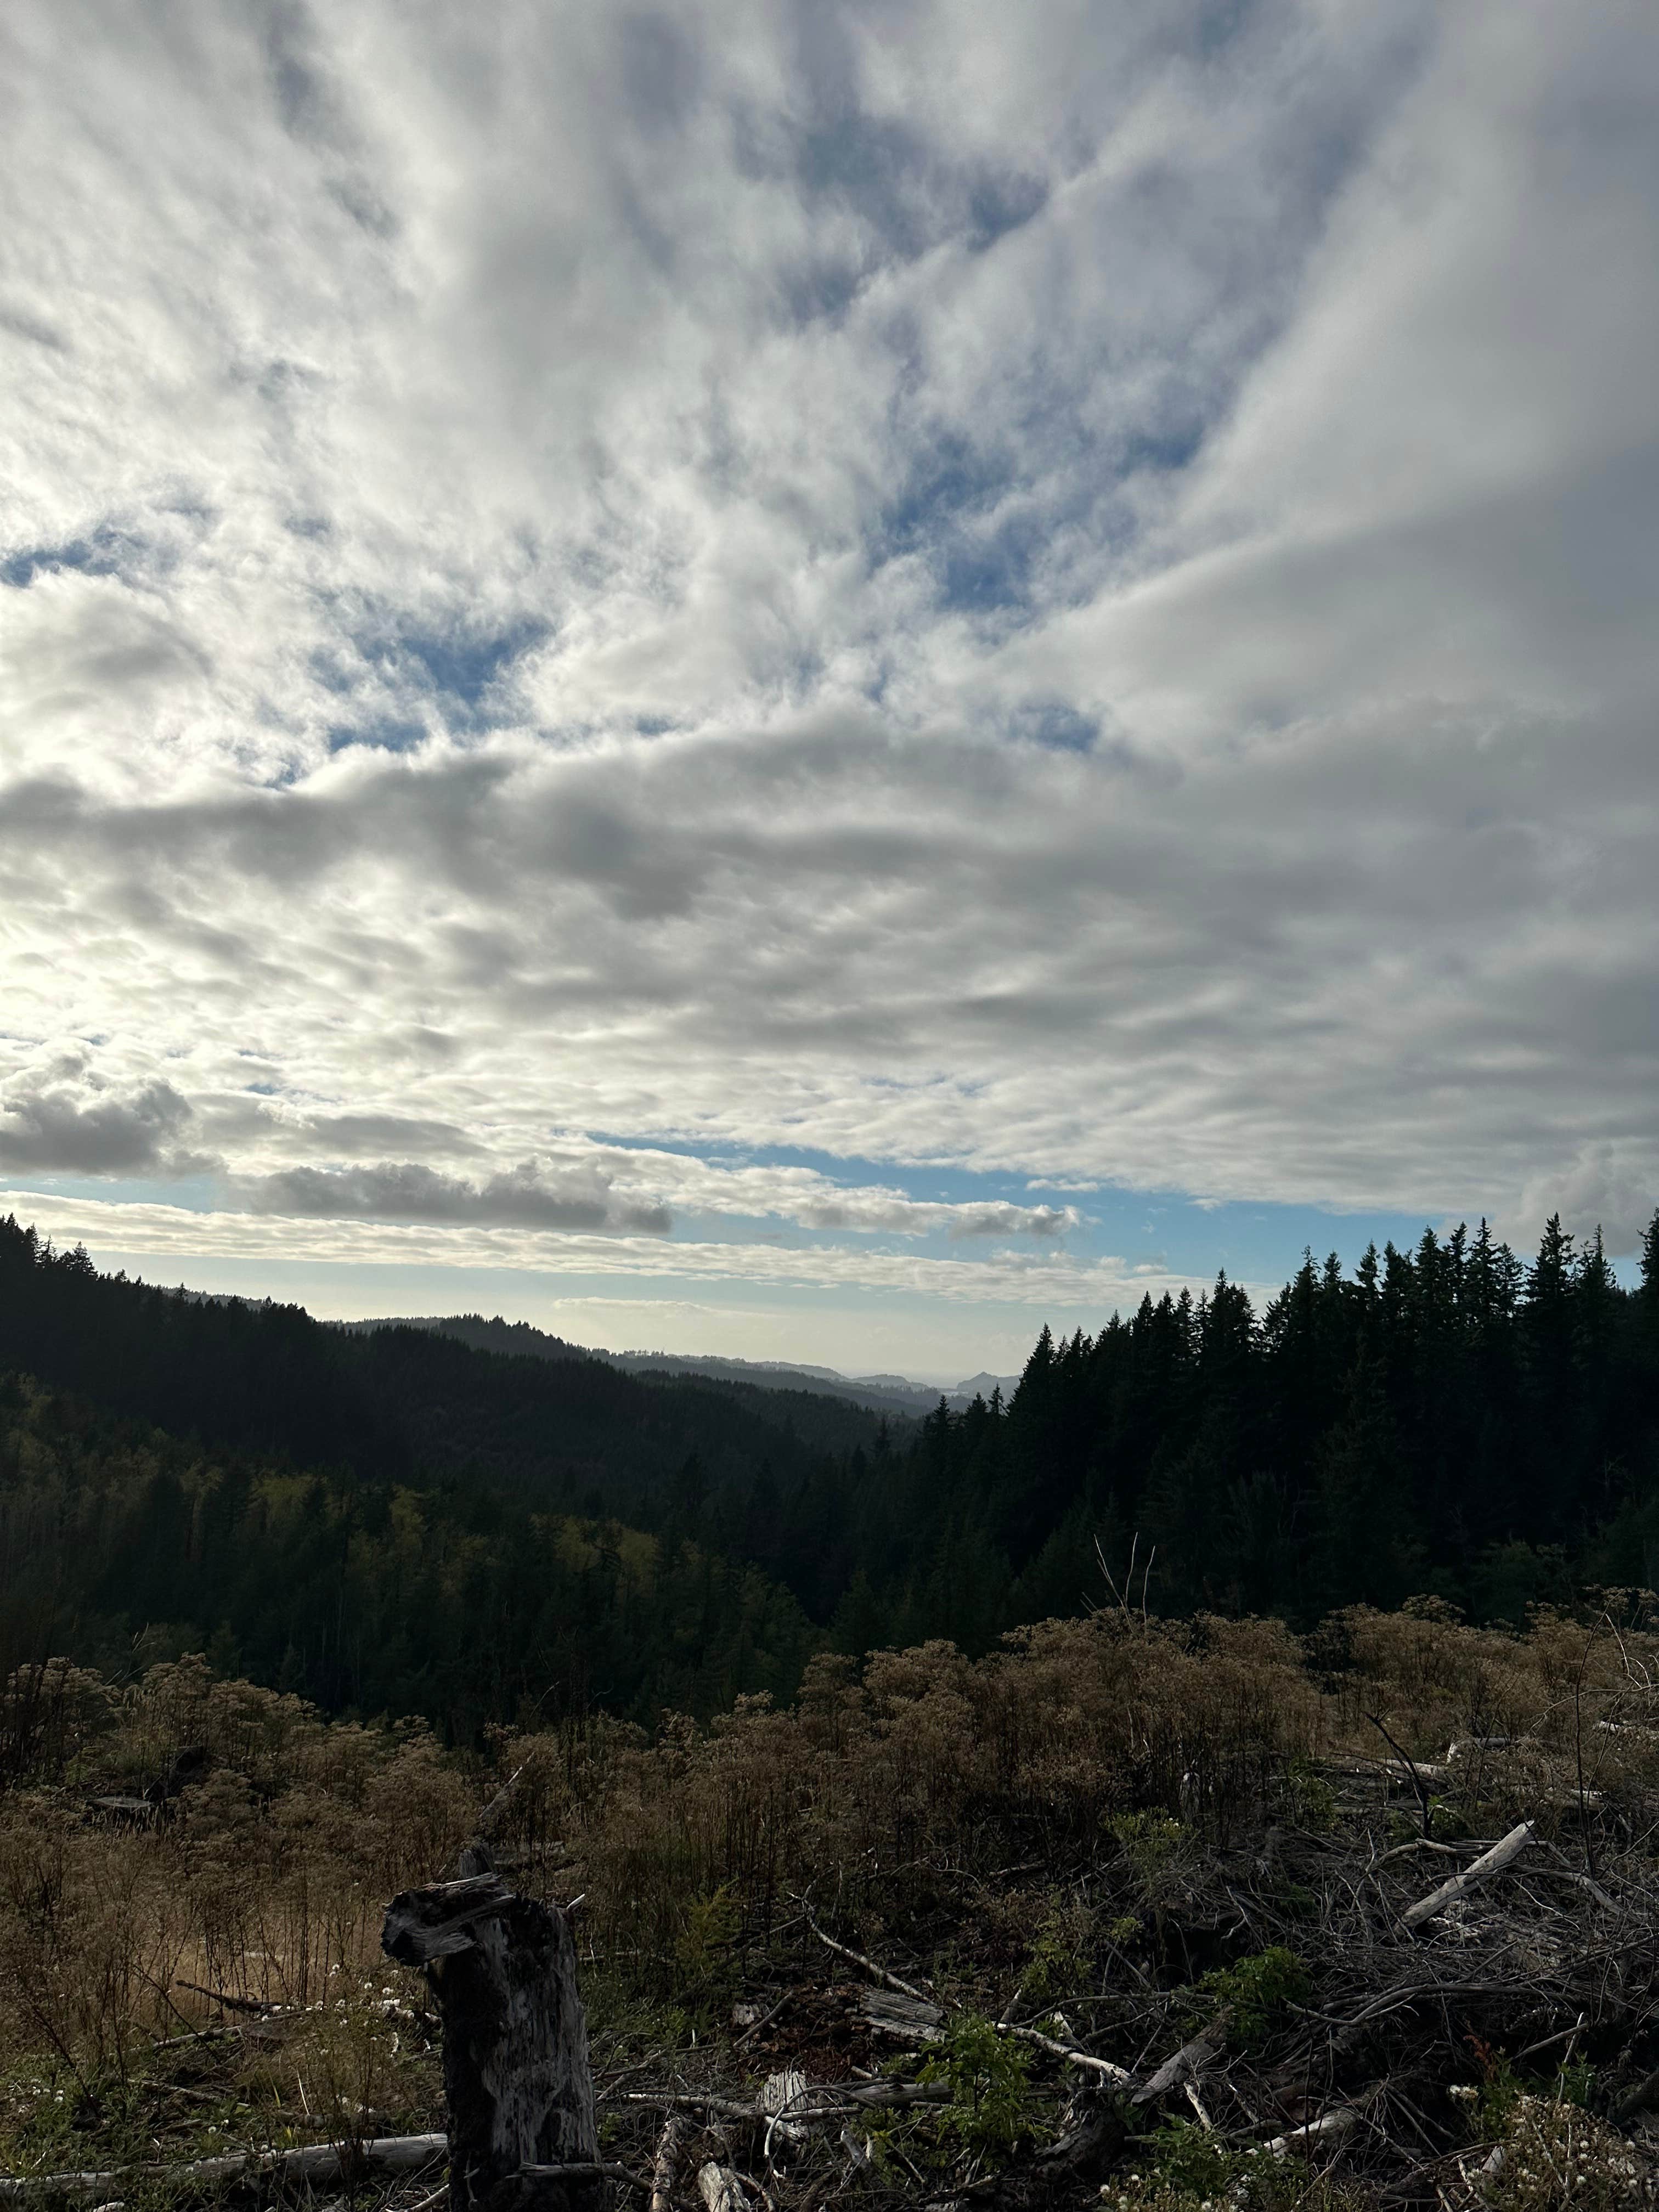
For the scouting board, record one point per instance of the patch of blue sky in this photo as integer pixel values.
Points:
(460, 666)
(876, 166)
(1000, 202)
(388, 733)
(820, 291)
(1165, 452)
(392, 662)
(907, 194)
(1057, 724)
(949, 477)
(105, 552)
(192, 1194)
(990, 537)
(1163, 1232)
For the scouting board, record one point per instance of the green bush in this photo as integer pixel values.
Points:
(989, 2079)
(1257, 1993)
(1150, 1842)
(1313, 1803)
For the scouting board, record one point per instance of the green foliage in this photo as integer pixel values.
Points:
(1190, 2161)
(1499, 2088)
(347, 1594)
(989, 2078)
(1313, 1802)
(1491, 1422)
(1258, 1992)
(1150, 1842)
(1059, 1963)
(704, 1953)
(1185, 2168)
(1575, 2081)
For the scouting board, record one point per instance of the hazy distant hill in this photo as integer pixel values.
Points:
(881, 1393)
(560, 1429)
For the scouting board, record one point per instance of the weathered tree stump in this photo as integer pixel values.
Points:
(516, 2075)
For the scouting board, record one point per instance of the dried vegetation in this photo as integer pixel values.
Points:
(1120, 1915)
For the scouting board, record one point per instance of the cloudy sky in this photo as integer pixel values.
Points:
(824, 677)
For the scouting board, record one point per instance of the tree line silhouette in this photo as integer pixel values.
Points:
(393, 1520)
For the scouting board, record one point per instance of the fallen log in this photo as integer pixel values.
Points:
(590, 2170)
(721, 2189)
(1330, 2127)
(780, 2099)
(1489, 1863)
(666, 2164)
(311, 2162)
(905, 2019)
(1186, 2065)
(818, 2100)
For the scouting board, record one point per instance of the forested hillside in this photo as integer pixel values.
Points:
(121, 1545)
(397, 1404)
(1448, 1420)
(398, 1520)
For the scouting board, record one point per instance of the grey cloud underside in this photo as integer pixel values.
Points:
(51, 1122)
(409, 1192)
(1218, 982)
(1069, 594)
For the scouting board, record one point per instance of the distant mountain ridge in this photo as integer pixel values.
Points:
(879, 1394)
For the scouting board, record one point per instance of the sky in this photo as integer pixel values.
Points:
(824, 678)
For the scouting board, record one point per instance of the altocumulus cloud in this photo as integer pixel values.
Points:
(51, 1120)
(1069, 598)
(406, 1191)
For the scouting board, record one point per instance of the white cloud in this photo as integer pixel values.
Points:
(1042, 1280)
(592, 595)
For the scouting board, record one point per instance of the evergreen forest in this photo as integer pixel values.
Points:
(390, 1520)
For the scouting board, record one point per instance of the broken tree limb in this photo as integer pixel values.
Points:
(517, 2080)
(312, 2162)
(1330, 2127)
(683, 2101)
(880, 1973)
(1490, 1863)
(666, 2164)
(1070, 2053)
(498, 1805)
(1420, 1782)
(258, 2006)
(1186, 2065)
(818, 2100)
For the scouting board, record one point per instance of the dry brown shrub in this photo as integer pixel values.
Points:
(267, 1877)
